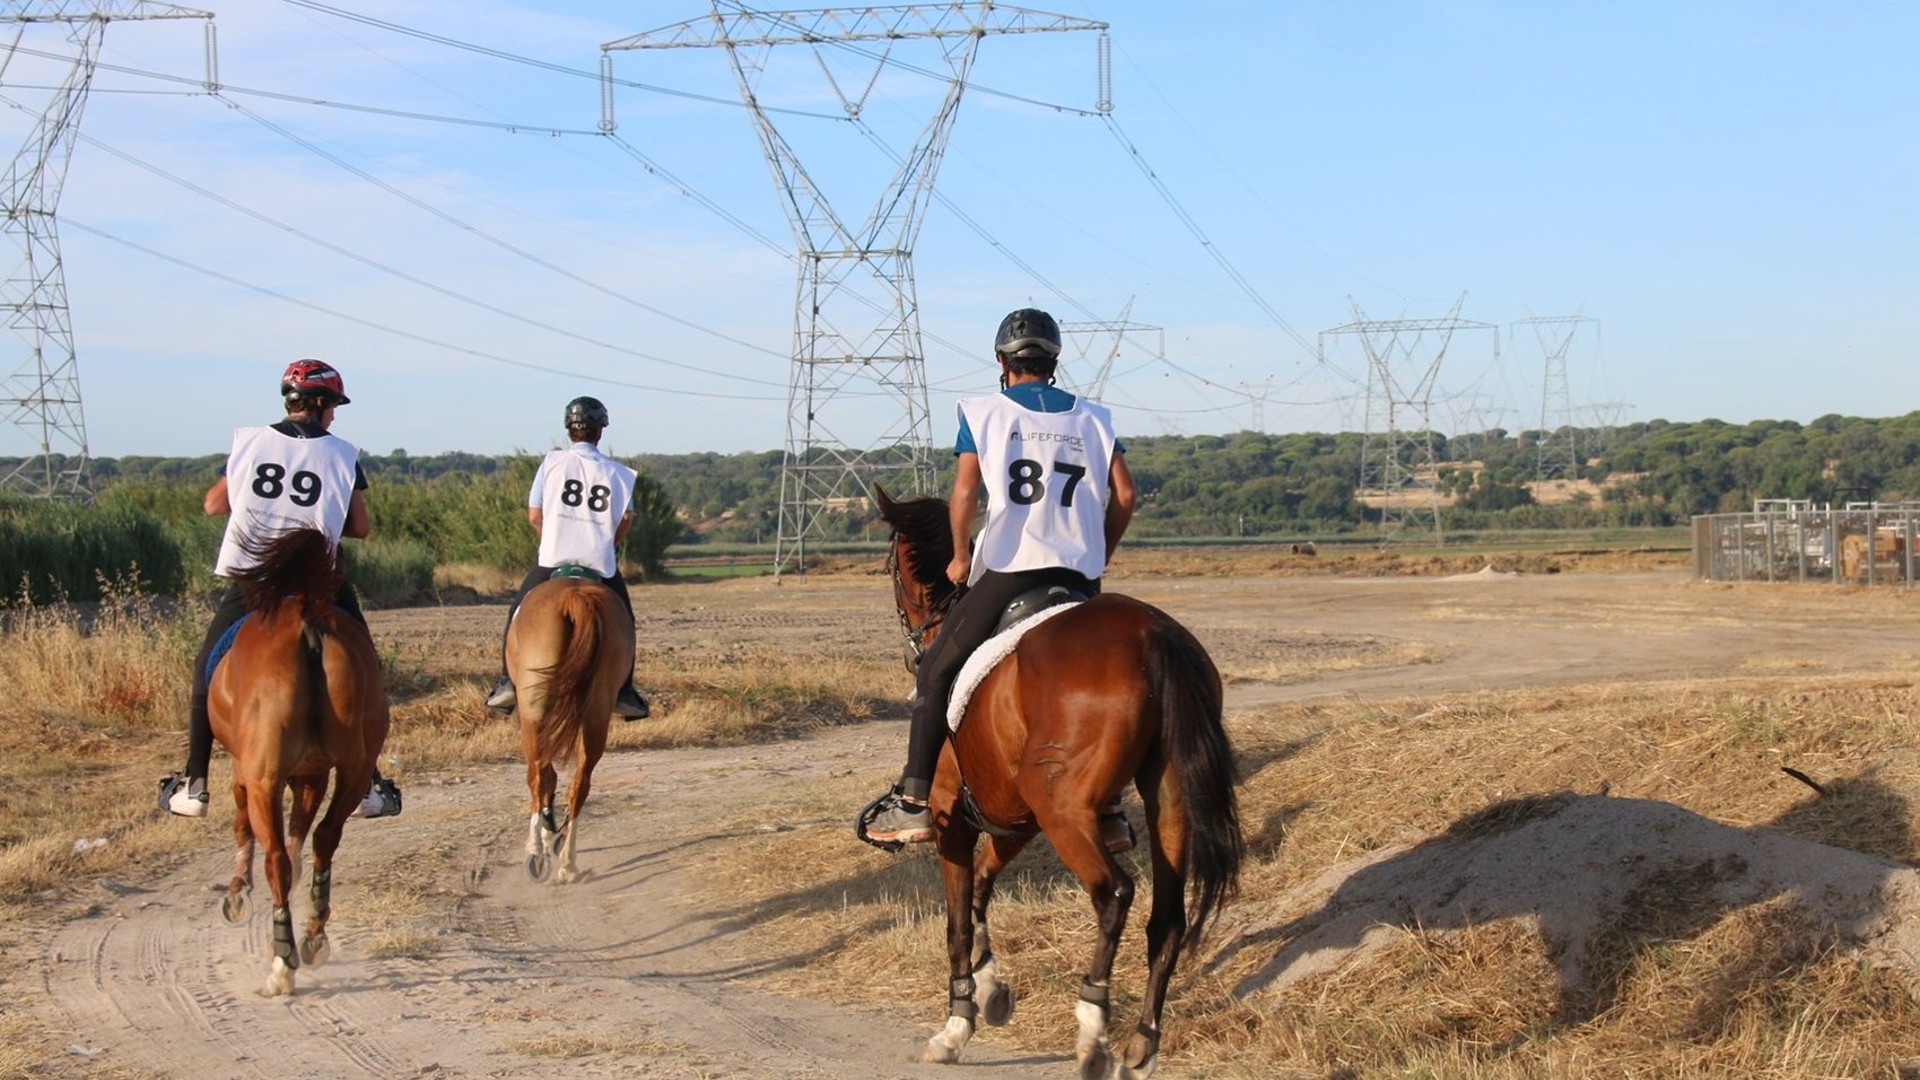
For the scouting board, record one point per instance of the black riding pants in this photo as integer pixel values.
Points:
(968, 625)
(541, 573)
(230, 608)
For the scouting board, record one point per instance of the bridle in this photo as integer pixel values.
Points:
(916, 633)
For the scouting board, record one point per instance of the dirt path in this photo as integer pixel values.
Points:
(151, 981)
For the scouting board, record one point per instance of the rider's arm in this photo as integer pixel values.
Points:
(963, 507)
(620, 533)
(216, 501)
(534, 518)
(358, 524)
(1119, 502)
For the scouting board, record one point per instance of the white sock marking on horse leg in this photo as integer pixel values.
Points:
(1093, 1028)
(945, 1046)
(280, 979)
(535, 844)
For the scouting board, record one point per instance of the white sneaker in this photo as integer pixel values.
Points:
(187, 799)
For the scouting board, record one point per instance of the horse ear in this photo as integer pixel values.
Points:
(880, 498)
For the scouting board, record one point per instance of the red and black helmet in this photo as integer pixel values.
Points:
(313, 378)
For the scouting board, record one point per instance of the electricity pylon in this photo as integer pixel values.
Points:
(856, 331)
(1093, 386)
(1559, 456)
(40, 390)
(1397, 457)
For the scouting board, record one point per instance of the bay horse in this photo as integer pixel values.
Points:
(567, 652)
(1109, 692)
(297, 700)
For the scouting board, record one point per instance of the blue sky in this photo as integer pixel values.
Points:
(1726, 190)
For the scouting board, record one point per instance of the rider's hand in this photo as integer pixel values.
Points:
(957, 569)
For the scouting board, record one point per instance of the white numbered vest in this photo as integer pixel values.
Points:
(583, 494)
(1046, 480)
(277, 483)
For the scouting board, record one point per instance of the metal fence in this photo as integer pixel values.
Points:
(1859, 545)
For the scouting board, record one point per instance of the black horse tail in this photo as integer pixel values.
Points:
(1195, 742)
(300, 563)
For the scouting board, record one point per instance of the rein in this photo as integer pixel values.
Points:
(936, 612)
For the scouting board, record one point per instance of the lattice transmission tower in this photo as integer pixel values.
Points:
(1081, 337)
(1559, 446)
(1397, 460)
(40, 391)
(856, 333)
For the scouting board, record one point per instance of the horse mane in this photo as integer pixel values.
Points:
(300, 563)
(928, 530)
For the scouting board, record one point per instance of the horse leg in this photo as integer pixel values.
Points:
(956, 842)
(314, 946)
(1077, 842)
(992, 995)
(234, 906)
(593, 740)
(306, 805)
(1166, 925)
(263, 805)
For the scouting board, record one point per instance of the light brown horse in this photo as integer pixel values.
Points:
(567, 651)
(296, 700)
(1111, 692)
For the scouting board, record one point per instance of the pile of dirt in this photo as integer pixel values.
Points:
(1598, 878)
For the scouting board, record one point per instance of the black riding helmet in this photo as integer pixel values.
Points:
(1028, 334)
(586, 412)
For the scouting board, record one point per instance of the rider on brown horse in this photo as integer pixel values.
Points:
(290, 475)
(1059, 497)
(580, 505)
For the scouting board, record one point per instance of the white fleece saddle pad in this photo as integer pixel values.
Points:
(997, 648)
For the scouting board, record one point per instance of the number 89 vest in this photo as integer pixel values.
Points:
(277, 483)
(1046, 481)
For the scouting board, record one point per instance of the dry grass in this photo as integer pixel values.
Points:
(1689, 990)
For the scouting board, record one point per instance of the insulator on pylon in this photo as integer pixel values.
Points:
(1103, 62)
(606, 92)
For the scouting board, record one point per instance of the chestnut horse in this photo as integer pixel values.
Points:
(1110, 692)
(567, 651)
(296, 700)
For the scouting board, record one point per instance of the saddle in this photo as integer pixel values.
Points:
(1033, 602)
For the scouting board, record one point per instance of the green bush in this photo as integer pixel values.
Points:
(390, 573)
(60, 551)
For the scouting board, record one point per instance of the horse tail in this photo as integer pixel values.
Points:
(1195, 743)
(569, 680)
(302, 564)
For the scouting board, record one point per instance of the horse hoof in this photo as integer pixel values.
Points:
(1096, 1063)
(314, 950)
(1142, 1055)
(539, 868)
(999, 1006)
(235, 908)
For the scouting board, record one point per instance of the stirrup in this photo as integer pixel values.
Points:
(871, 811)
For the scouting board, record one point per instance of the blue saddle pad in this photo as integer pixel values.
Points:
(226, 642)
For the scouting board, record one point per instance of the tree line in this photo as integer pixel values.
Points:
(1644, 474)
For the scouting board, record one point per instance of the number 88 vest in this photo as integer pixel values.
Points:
(277, 483)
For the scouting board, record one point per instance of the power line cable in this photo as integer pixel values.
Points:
(482, 234)
(546, 65)
(396, 331)
(407, 277)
